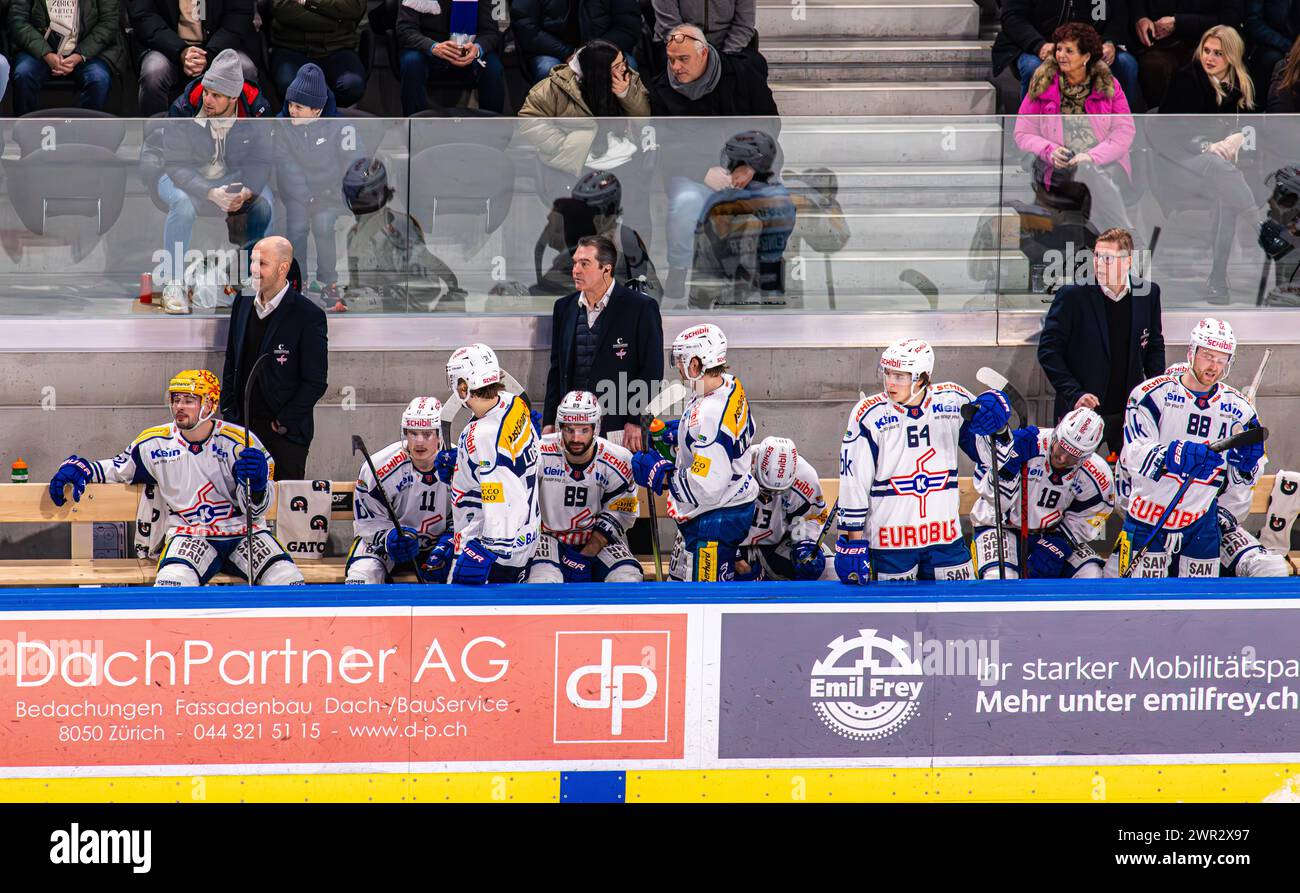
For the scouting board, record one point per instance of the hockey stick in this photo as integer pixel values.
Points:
(991, 378)
(967, 413)
(1240, 439)
(654, 511)
(359, 445)
(1259, 375)
(923, 284)
(248, 441)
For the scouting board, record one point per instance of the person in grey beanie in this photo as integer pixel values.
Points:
(313, 150)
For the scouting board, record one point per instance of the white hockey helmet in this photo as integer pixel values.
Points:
(910, 356)
(475, 364)
(775, 460)
(705, 343)
(1078, 433)
(1214, 334)
(579, 408)
(423, 414)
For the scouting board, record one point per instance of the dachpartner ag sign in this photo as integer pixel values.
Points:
(423, 685)
(1001, 682)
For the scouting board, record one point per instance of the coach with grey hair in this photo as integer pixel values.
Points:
(606, 339)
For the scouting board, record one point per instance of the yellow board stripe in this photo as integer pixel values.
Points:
(1220, 783)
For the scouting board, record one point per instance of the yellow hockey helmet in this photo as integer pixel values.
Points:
(202, 384)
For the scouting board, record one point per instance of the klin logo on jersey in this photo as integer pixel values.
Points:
(921, 481)
(866, 687)
(611, 686)
(207, 510)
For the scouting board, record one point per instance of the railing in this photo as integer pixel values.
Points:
(476, 215)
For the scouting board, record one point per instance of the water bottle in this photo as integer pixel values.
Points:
(657, 442)
(18, 474)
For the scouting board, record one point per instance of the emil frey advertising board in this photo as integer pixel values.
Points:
(1008, 683)
(266, 689)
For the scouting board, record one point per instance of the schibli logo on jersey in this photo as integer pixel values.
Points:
(1103, 483)
(617, 464)
(805, 488)
(914, 536)
(392, 463)
(1149, 513)
(164, 455)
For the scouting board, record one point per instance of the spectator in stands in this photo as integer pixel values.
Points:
(312, 155)
(727, 25)
(80, 39)
(1272, 26)
(1075, 119)
(1167, 34)
(548, 31)
(1102, 339)
(221, 163)
(289, 385)
(428, 51)
(700, 82)
(608, 340)
(1025, 42)
(1284, 91)
(180, 37)
(1203, 151)
(322, 31)
(4, 76)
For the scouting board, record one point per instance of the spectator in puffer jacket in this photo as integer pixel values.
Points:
(313, 150)
(326, 32)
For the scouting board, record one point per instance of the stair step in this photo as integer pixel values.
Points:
(897, 99)
(856, 143)
(957, 19)
(793, 59)
(920, 228)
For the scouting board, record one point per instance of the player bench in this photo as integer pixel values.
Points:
(30, 503)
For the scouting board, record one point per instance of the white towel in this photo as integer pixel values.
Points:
(1283, 504)
(150, 523)
(302, 517)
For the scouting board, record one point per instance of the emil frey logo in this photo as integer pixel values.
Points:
(866, 687)
(611, 686)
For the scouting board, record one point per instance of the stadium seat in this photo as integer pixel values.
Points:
(465, 180)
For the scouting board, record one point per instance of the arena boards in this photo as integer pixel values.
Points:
(1178, 690)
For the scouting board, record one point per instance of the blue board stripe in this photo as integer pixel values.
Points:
(593, 787)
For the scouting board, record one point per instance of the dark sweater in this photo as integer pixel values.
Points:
(1119, 324)
(253, 336)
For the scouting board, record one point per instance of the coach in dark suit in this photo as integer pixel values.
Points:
(1099, 341)
(606, 339)
(281, 322)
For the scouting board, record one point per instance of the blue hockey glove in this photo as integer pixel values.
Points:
(75, 471)
(474, 565)
(444, 464)
(440, 556)
(650, 470)
(575, 566)
(1246, 459)
(852, 561)
(809, 562)
(669, 434)
(992, 410)
(1047, 554)
(252, 468)
(1186, 457)
(1024, 446)
(402, 544)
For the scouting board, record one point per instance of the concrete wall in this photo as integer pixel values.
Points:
(99, 402)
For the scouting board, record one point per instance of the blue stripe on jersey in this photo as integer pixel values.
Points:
(141, 474)
(885, 490)
(1081, 504)
(1152, 408)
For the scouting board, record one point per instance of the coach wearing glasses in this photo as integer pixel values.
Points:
(1102, 339)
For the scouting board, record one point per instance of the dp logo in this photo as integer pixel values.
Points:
(607, 690)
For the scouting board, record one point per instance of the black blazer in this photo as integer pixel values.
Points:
(294, 378)
(1074, 347)
(631, 343)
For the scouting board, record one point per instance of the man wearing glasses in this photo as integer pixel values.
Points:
(1102, 338)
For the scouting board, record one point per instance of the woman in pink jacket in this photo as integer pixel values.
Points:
(1076, 121)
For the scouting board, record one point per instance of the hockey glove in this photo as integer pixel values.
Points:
(992, 410)
(1047, 554)
(809, 562)
(440, 556)
(650, 470)
(474, 564)
(607, 527)
(1246, 459)
(1186, 457)
(1024, 447)
(575, 566)
(852, 561)
(536, 418)
(752, 575)
(75, 471)
(252, 468)
(669, 433)
(445, 463)
(401, 544)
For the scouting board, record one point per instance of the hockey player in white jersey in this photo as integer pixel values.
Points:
(199, 466)
(710, 489)
(495, 510)
(1240, 553)
(1168, 424)
(788, 517)
(589, 500)
(409, 482)
(899, 502)
(1071, 494)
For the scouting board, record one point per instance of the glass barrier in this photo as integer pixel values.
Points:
(481, 215)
